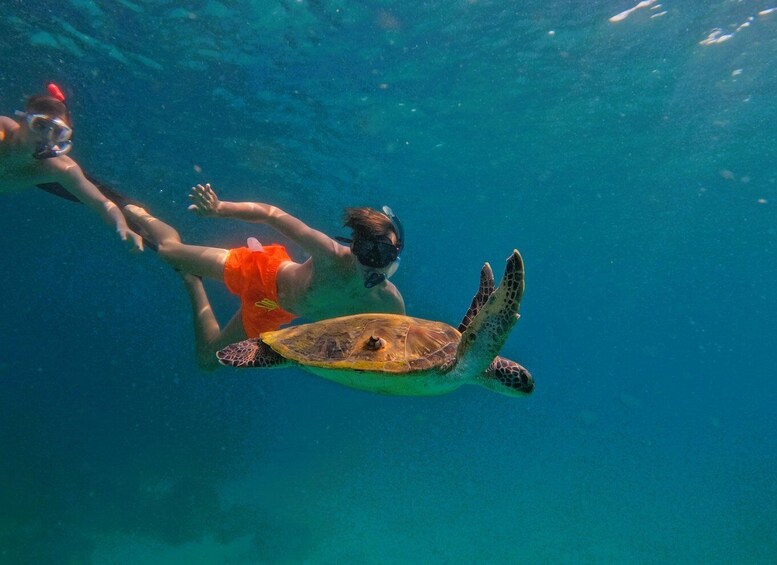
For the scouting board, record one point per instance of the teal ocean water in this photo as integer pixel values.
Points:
(628, 150)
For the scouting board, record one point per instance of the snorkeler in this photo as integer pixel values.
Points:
(336, 280)
(33, 152)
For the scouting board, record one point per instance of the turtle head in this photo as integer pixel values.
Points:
(507, 377)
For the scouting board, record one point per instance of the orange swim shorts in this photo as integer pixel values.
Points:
(251, 276)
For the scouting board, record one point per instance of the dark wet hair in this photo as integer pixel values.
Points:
(369, 224)
(44, 104)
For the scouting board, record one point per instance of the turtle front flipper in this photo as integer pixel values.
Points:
(251, 353)
(486, 289)
(487, 332)
(507, 377)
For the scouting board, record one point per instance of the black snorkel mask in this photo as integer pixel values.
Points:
(380, 257)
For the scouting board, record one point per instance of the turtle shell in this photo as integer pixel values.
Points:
(385, 343)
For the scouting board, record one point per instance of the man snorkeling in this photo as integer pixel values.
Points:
(342, 276)
(33, 152)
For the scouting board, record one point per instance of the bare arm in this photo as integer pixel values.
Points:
(206, 203)
(73, 179)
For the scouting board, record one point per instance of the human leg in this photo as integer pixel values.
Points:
(208, 335)
(195, 259)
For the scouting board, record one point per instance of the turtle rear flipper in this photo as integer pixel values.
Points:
(251, 353)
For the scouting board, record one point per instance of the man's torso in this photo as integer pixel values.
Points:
(328, 291)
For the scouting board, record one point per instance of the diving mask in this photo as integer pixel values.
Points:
(55, 132)
(380, 257)
(54, 129)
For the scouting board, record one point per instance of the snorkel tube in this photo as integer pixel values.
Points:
(55, 92)
(374, 279)
(397, 227)
(45, 150)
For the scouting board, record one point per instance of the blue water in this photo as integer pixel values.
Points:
(631, 162)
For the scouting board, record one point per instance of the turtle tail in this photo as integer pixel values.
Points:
(249, 354)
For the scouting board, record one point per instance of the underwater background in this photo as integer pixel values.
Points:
(627, 150)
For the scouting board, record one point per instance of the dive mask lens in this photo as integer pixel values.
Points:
(377, 254)
(54, 128)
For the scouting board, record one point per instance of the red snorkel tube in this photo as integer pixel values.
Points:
(55, 92)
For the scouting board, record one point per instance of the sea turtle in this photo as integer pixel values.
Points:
(400, 355)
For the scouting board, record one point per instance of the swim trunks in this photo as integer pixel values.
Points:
(251, 276)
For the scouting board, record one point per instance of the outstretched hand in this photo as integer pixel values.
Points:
(204, 200)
